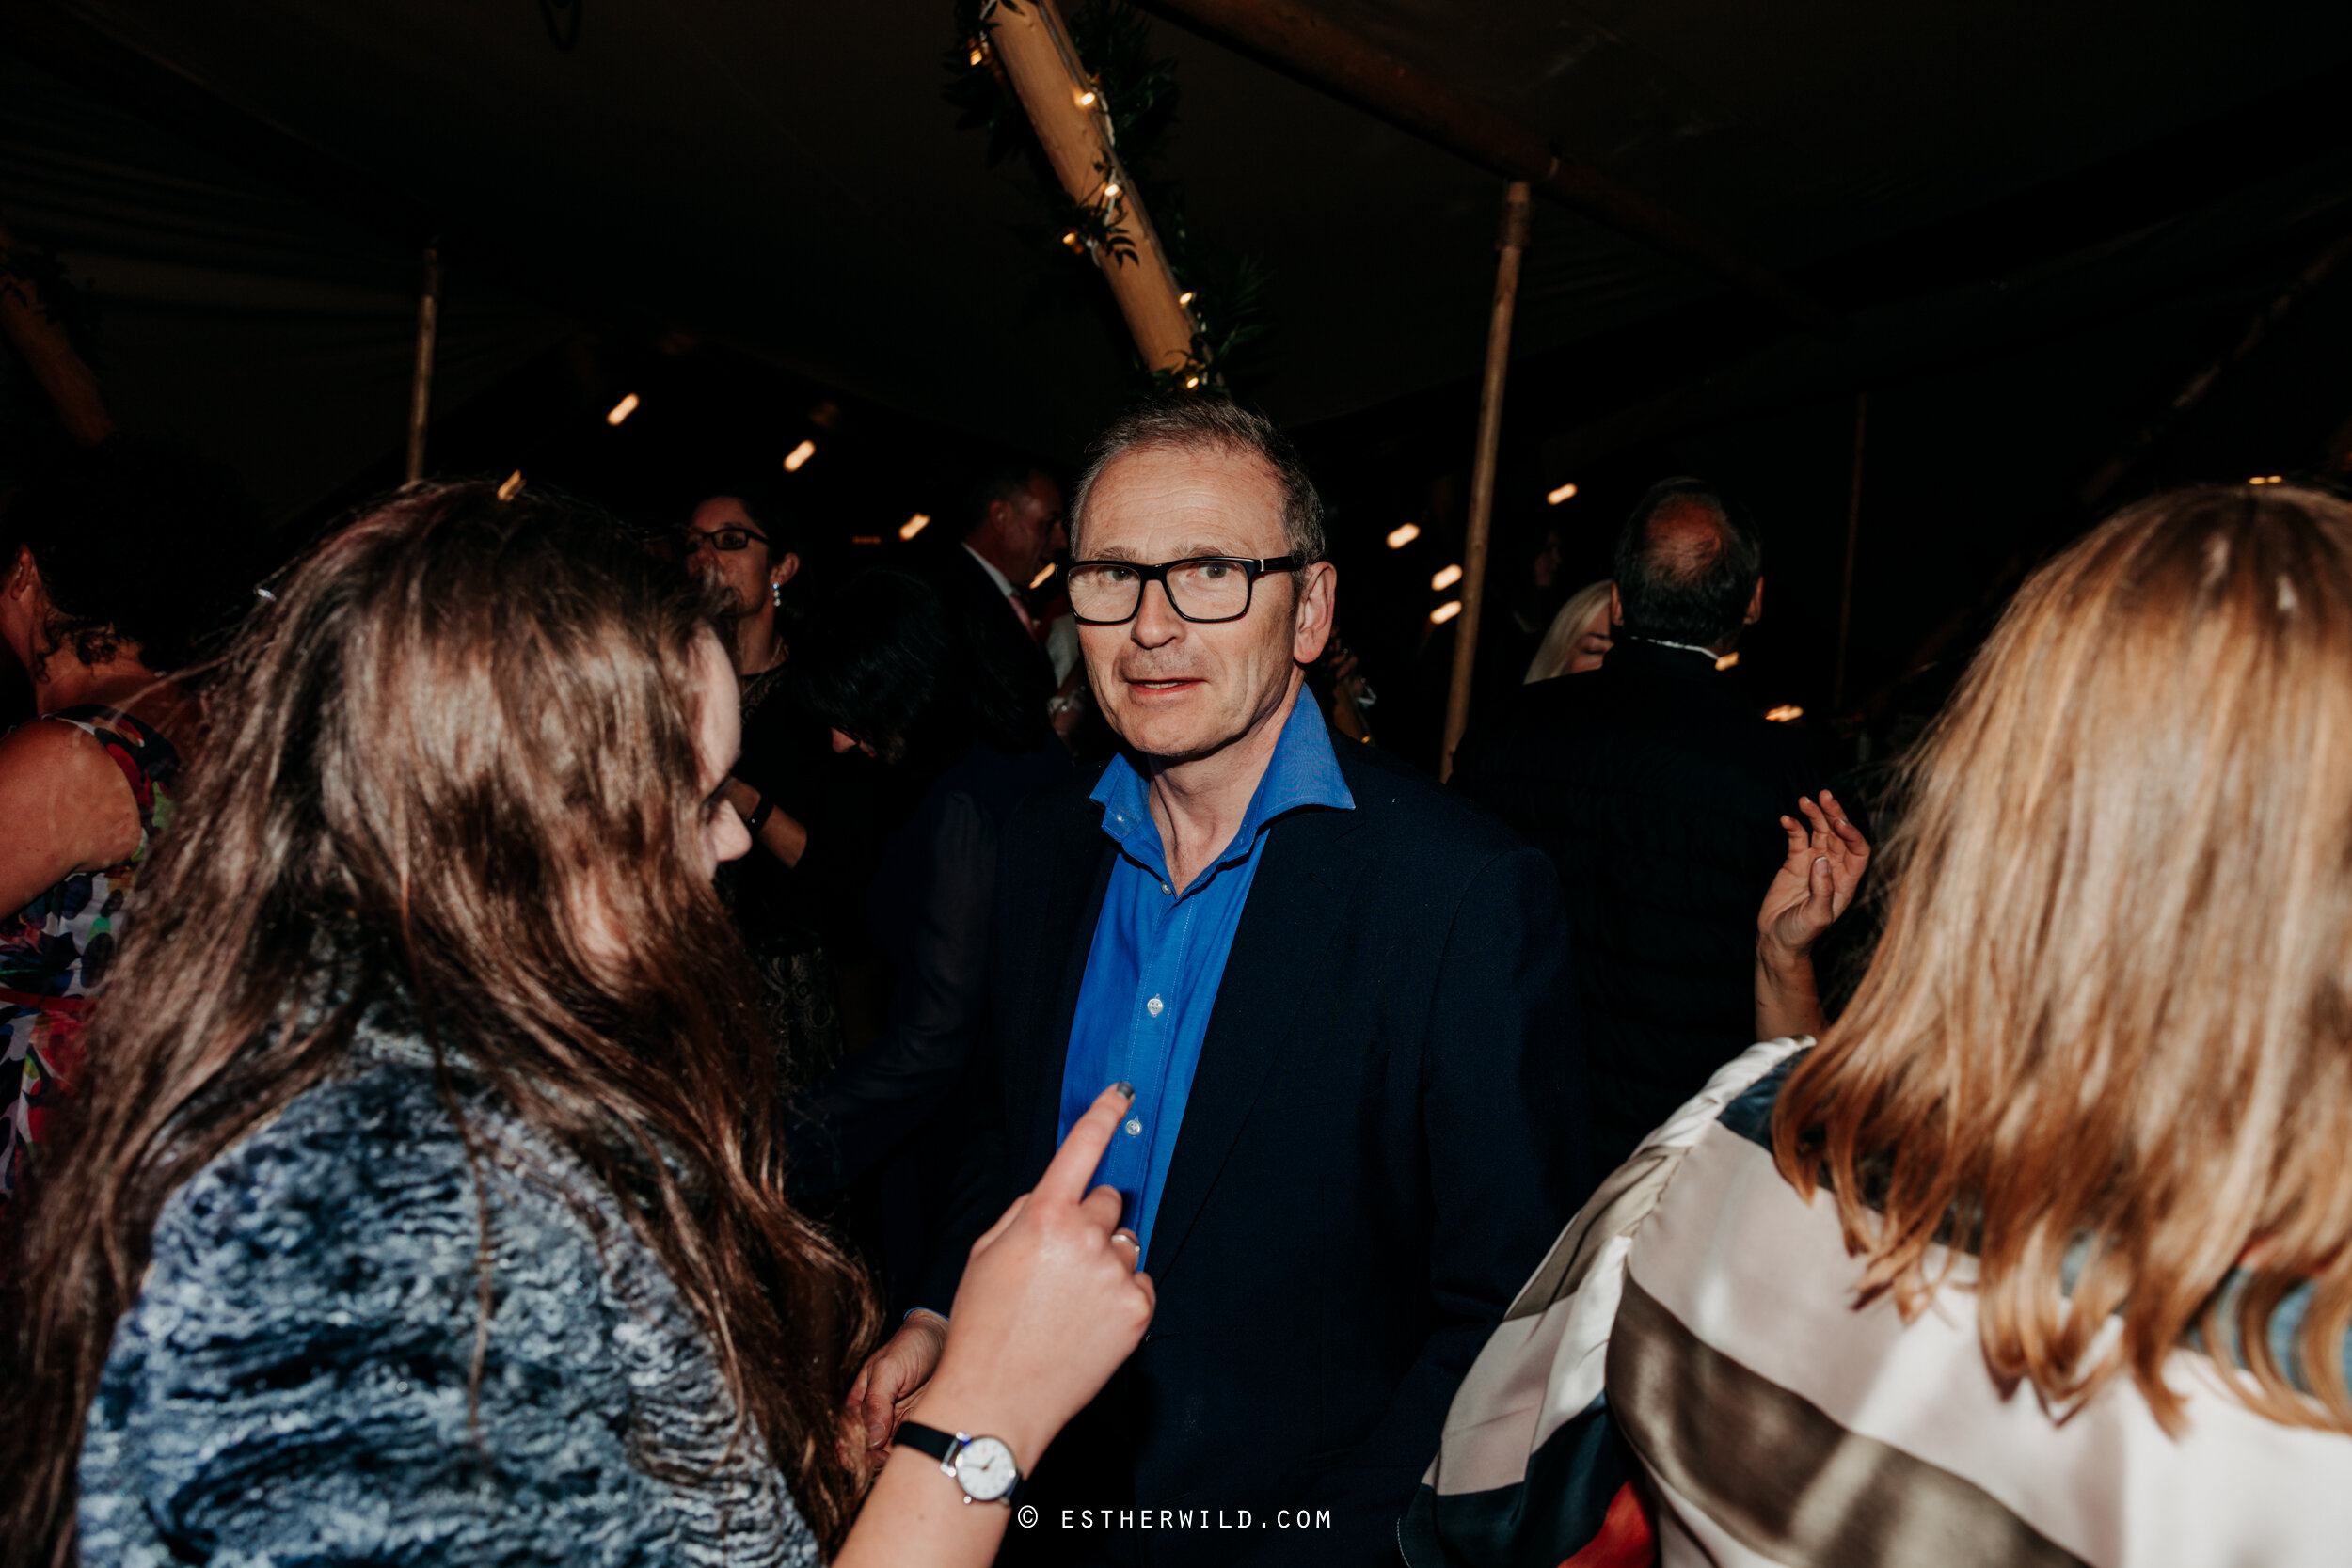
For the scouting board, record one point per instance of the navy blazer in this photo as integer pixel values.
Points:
(1386, 1131)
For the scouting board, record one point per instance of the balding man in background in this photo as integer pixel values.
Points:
(1657, 793)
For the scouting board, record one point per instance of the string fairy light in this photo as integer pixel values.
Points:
(798, 455)
(1729, 661)
(513, 487)
(622, 409)
(1447, 576)
(1043, 575)
(1445, 612)
(1785, 713)
(915, 525)
(1561, 493)
(1403, 535)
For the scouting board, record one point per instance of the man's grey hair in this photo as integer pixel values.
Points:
(1208, 425)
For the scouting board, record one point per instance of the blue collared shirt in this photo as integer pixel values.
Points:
(1152, 975)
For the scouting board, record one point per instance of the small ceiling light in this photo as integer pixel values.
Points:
(1446, 578)
(915, 525)
(1445, 612)
(1563, 493)
(1729, 661)
(513, 487)
(798, 455)
(1401, 536)
(1185, 298)
(622, 409)
(1086, 100)
(1783, 713)
(864, 538)
(1043, 575)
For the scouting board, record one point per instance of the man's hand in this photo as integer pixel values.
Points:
(892, 1380)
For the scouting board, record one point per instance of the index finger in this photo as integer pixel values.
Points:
(1072, 1171)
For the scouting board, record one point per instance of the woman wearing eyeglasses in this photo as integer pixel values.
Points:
(795, 894)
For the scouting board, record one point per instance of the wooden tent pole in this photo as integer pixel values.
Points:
(1512, 243)
(1854, 531)
(421, 383)
(1074, 125)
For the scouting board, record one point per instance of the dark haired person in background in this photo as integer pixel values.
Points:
(959, 744)
(1659, 794)
(1013, 529)
(809, 843)
(103, 567)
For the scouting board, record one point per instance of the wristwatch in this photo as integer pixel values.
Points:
(982, 1467)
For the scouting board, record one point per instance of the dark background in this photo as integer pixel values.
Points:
(2037, 223)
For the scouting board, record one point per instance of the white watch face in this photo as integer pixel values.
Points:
(985, 1469)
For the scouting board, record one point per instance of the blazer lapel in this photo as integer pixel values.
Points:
(1297, 901)
(1083, 857)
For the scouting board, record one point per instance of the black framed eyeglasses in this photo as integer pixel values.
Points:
(1203, 588)
(729, 539)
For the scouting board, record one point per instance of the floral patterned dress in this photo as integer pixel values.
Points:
(55, 952)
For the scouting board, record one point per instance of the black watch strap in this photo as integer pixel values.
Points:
(923, 1440)
(942, 1446)
(758, 817)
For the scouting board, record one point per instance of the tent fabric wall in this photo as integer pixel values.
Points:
(248, 327)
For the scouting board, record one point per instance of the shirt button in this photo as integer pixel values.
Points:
(1155, 1006)
(1167, 887)
(1134, 1127)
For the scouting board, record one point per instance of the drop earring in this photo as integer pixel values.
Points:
(776, 595)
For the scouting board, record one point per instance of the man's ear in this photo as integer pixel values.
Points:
(22, 576)
(992, 520)
(1316, 610)
(1755, 605)
(785, 570)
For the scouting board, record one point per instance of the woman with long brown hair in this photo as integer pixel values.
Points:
(2043, 1255)
(428, 1203)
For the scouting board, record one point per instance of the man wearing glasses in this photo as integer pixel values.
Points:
(1341, 996)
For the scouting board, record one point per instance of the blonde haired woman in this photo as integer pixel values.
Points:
(1577, 638)
(2044, 1254)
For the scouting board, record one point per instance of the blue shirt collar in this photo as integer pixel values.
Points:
(1303, 771)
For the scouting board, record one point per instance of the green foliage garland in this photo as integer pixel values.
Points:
(1139, 95)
